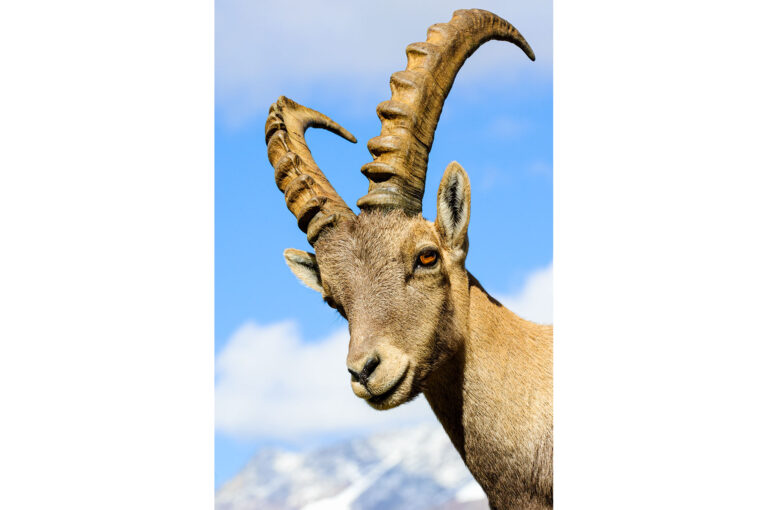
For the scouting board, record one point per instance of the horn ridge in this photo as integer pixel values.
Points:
(409, 119)
(308, 193)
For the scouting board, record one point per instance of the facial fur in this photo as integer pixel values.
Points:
(403, 313)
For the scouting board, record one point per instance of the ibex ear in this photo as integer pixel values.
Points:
(453, 207)
(304, 266)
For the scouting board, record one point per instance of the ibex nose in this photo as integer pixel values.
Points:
(362, 376)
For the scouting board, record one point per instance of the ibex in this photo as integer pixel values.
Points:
(418, 320)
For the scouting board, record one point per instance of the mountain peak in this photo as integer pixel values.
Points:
(407, 469)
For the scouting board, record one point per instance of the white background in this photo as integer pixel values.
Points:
(106, 265)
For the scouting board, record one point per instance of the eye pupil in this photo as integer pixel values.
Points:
(428, 258)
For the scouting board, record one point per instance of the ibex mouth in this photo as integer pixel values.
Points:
(378, 401)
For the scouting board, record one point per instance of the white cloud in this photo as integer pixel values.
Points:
(534, 301)
(349, 49)
(271, 383)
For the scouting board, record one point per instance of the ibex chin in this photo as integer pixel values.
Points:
(418, 321)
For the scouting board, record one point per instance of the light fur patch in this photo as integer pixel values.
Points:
(304, 266)
(453, 203)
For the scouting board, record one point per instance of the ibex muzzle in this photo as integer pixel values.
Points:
(418, 321)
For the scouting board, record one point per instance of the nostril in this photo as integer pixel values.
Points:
(369, 367)
(355, 375)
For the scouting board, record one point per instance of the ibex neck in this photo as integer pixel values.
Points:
(494, 399)
(459, 387)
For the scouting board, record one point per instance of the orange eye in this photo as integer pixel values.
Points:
(428, 258)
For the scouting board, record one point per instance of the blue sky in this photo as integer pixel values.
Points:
(497, 122)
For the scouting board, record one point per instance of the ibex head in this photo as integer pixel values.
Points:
(397, 278)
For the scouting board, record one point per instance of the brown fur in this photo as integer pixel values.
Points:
(486, 373)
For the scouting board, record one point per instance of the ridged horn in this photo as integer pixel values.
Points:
(308, 194)
(409, 119)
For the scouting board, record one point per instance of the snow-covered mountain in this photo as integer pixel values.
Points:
(411, 469)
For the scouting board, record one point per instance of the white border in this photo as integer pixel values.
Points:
(106, 204)
(660, 255)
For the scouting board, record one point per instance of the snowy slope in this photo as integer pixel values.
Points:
(412, 469)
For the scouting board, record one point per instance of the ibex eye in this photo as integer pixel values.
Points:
(428, 258)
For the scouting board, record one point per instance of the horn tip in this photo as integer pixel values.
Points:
(338, 129)
(348, 136)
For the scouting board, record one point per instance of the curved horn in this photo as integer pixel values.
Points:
(409, 119)
(308, 194)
